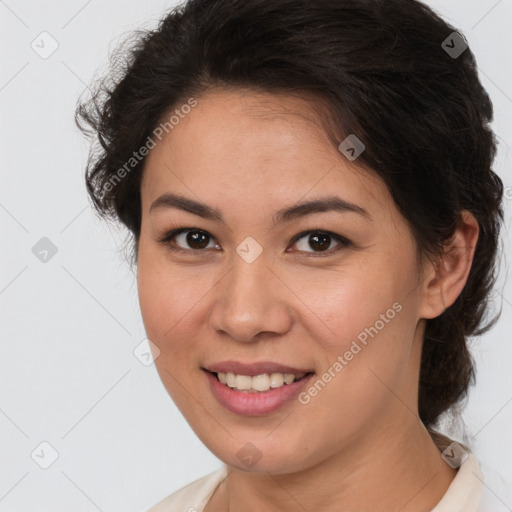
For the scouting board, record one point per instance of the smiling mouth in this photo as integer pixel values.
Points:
(258, 383)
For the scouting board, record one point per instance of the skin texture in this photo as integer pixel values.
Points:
(358, 444)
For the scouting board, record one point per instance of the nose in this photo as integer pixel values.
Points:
(251, 300)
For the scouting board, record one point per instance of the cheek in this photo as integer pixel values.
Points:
(168, 303)
(168, 294)
(343, 303)
(369, 319)
(362, 374)
(163, 304)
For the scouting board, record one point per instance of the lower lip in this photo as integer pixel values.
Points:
(255, 404)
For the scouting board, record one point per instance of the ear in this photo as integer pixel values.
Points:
(446, 279)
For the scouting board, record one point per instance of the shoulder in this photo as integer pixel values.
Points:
(471, 492)
(465, 491)
(194, 496)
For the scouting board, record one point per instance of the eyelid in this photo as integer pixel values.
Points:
(321, 231)
(169, 235)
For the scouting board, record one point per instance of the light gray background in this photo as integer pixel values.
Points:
(69, 326)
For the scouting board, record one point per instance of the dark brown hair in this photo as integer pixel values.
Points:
(386, 76)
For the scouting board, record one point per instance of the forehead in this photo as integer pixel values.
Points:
(238, 121)
(239, 141)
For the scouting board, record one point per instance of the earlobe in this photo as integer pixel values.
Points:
(447, 278)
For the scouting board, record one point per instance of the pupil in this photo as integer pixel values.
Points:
(324, 241)
(194, 237)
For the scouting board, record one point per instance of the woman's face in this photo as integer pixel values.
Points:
(244, 295)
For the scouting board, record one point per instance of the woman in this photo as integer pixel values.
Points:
(315, 223)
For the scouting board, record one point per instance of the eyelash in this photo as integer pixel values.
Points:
(344, 242)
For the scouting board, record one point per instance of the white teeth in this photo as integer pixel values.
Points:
(243, 382)
(276, 380)
(289, 378)
(229, 379)
(258, 383)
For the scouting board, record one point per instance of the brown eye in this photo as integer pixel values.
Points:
(312, 242)
(196, 239)
(187, 240)
(320, 242)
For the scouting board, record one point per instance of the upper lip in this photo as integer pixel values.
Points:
(252, 369)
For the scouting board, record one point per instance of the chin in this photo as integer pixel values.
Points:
(260, 454)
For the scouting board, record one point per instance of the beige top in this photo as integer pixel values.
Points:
(463, 495)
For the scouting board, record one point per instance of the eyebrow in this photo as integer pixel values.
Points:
(324, 204)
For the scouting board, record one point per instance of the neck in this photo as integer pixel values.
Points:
(404, 472)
